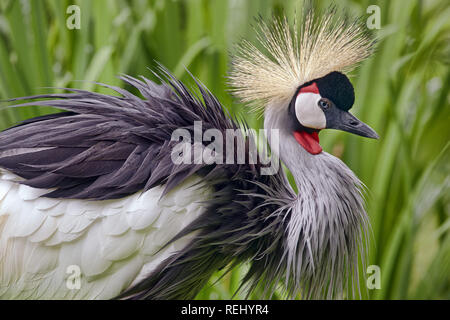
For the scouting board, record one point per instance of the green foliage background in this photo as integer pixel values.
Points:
(402, 92)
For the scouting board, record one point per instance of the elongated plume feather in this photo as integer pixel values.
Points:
(294, 57)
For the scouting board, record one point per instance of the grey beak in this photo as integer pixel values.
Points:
(343, 120)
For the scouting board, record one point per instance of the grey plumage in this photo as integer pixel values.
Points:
(107, 147)
(328, 224)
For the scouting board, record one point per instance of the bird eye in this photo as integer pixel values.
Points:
(324, 104)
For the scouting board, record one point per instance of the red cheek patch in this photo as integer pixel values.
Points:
(311, 88)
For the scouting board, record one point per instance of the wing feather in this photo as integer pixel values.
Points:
(119, 198)
(113, 242)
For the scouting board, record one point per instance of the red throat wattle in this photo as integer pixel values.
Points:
(309, 141)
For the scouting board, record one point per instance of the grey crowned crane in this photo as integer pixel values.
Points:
(95, 189)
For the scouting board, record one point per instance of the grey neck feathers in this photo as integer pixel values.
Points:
(328, 223)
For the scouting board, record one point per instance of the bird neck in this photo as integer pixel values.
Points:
(327, 213)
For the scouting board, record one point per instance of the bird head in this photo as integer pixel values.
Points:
(298, 75)
(324, 103)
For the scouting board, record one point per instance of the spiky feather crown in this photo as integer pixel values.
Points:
(322, 45)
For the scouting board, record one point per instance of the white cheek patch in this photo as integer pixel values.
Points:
(308, 113)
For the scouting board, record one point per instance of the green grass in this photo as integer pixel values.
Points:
(402, 92)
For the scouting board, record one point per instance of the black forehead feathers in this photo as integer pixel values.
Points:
(336, 87)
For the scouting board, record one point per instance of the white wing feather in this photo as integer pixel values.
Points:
(114, 243)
